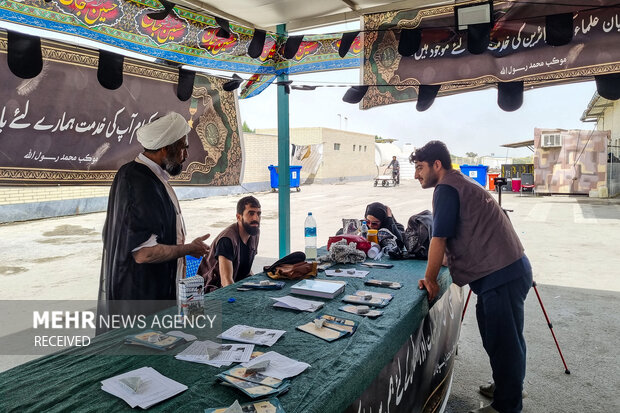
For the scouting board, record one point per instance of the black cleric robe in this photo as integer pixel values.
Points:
(138, 207)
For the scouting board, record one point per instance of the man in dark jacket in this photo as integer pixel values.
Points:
(484, 251)
(144, 235)
(234, 249)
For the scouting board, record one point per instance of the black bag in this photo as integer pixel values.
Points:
(418, 235)
(292, 258)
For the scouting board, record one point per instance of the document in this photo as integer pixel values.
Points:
(143, 387)
(280, 366)
(295, 303)
(253, 335)
(216, 355)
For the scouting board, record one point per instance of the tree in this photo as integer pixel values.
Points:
(246, 128)
(471, 154)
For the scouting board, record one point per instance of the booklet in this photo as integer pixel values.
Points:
(319, 288)
(154, 339)
(252, 335)
(215, 354)
(329, 327)
(254, 390)
(271, 405)
(294, 303)
(380, 283)
(280, 367)
(382, 296)
(362, 310)
(254, 377)
(365, 300)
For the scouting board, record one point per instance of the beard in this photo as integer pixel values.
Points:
(173, 168)
(250, 229)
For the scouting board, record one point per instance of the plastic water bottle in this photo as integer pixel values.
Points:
(364, 230)
(310, 234)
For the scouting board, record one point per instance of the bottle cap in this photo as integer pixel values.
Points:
(309, 213)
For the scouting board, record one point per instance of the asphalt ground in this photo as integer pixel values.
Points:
(573, 244)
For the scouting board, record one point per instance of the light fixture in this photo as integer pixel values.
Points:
(478, 13)
(355, 94)
(346, 41)
(286, 84)
(162, 14)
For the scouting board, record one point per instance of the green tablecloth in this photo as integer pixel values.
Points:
(341, 370)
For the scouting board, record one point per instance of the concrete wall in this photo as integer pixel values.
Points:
(340, 164)
(610, 121)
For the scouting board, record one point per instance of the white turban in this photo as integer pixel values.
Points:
(163, 131)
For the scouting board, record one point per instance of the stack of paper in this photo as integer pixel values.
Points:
(280, 367)
(155, 339)
(216, 355)
(253, 384)
(143, 387)
(294, 303)
(247, 334)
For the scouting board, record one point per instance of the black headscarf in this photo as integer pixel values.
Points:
(377, 210)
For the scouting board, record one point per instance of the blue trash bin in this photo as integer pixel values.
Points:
(476, 172)
(295, 177)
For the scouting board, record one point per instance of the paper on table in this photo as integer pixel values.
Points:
(254, 335)
(229, 353)
(297, 303)
(344, 272)
(280, 366)
(154, 389)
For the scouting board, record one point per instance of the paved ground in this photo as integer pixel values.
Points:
(573, 244)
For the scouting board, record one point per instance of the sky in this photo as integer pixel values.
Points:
(466, 122)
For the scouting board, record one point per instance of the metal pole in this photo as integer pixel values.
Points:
(284, 194)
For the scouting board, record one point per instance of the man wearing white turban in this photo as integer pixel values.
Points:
(144, 234)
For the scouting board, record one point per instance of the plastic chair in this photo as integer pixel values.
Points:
(191, 265)
(527, 183)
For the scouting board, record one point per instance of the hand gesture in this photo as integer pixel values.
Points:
(197, 248)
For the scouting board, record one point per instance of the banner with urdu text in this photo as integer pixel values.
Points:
(63, 128)
(517, 50)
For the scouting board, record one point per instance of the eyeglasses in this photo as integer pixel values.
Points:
(374, 224)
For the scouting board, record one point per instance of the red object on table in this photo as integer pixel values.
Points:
(362, 243)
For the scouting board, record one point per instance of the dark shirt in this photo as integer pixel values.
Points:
(446, 207)
(224, 248)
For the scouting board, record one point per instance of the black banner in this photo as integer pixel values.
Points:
(419, 376)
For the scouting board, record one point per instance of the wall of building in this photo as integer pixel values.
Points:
(341, 161)
(259, 151)
(610, 121)
(576, 167)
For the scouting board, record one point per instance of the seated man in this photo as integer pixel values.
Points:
(233, 250)
(380, 216)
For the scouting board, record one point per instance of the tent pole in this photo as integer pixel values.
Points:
(284, 194)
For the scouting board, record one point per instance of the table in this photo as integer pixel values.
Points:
(340, 372)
